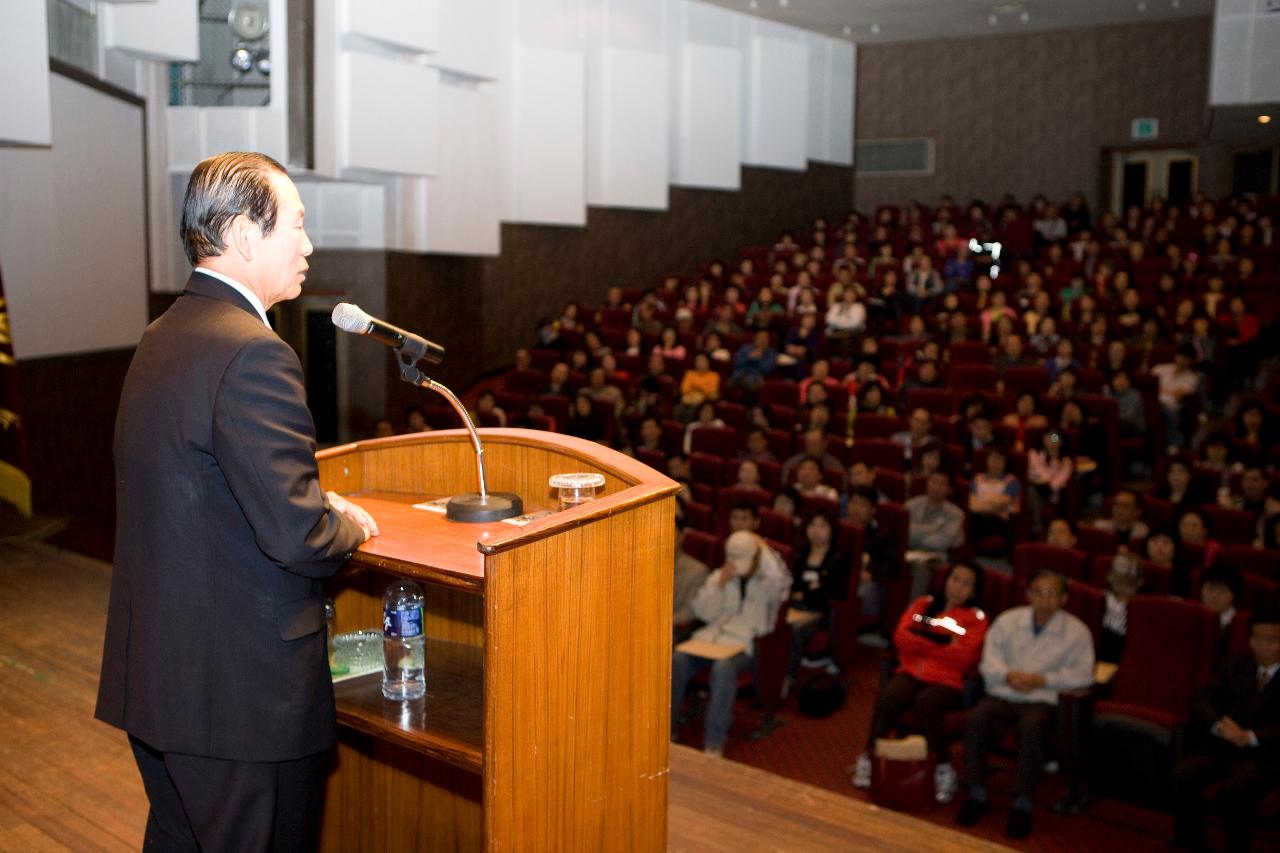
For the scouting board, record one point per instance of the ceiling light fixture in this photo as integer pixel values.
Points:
(754, 4)
(875, 29)
(784, 3)
(1142, 5)
(1175, 4)
(993, 19)
(1264, 119)
(1025, 17)
(848, 30)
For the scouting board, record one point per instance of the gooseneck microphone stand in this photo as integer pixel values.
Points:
(473, 506)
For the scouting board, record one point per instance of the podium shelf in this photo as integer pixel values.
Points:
(446, 724)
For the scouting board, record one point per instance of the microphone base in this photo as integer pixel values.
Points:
(495, 506)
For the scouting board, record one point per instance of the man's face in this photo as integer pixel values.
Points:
(757, 443)
(1191, 529)
(1265, 643)
(1059, 535)
(861, 511)
(920, 423)
(808, 474)
(815, 443)
(279, 261)
(1124, 510)
(742, 519)
(1253, 484)
(1217, 597)
(937, 487)
(1046, 597)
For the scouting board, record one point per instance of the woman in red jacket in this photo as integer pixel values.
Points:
(939, 641)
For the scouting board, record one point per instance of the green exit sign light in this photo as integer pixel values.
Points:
(1144, 129)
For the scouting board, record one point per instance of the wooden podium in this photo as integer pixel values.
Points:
(548, 661)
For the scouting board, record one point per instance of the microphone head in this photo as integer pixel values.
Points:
(349, 318)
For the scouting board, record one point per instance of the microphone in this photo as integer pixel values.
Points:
(350, 318)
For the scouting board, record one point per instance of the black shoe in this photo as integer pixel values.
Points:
(972, 811)
(1019, 825)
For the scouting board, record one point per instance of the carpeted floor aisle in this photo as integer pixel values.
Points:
(821, 753)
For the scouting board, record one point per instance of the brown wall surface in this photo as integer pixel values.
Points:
(1031, 113)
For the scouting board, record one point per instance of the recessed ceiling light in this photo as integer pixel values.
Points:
(848, 30)
(784, 3)
(875, 29)
(1175, 4)
(993, 19)
(754, 4)
(1142, 5)
(1264, 119)
(1025, 17)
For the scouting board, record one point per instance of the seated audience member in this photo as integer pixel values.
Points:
(1024, 418)
(706, 418)
(560, 381)
(690, 574)
(700, 384)
(1125, 522)
(650, 435)
(757, 446)
(871, 400)
(862, 474)
(814, 446)
(1179, 489)
(1013, 354)
(919, 425)
(753, 363)
(744, 516)
(935, 526)
(933, 661)
(1031, 654)
(679, 470)
(820, 574)
(1193, 529)
(383, 428)
(1123, 583)
(1132, 415)
(600, 388)
(1220, 588)
(487, 405)
(819, 374)
(809, 480)
(738, 602)
(994, 499)
(1251, 497)
(1235, 740)
(1049, 472)
(1179, 388)
(748, 476)
(583, 421)
(879, 554)
(979, 435)
(416, 420)
(1060, 535)
(787, 503)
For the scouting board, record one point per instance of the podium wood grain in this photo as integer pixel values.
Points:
(570, 618)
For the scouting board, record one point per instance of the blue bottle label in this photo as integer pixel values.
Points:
(403, 622)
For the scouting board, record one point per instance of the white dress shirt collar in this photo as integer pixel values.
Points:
(241, 289)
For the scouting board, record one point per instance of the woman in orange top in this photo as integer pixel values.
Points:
(939, 641)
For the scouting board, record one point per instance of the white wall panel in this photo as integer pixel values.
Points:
(708, 119)
(462, 201)
(195, 133)
(546, 145)
(164, 29)
(844, 90)
(552, 24)
(627, 137)
(468, 43)
(387, 115)
(702, 23)
(777, 103)
(24, 64)
(1245, 66)
(1230, 71)
(818, 142)
(405, 24)
(1264, 83)
(629, 24)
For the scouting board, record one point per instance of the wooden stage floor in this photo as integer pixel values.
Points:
(68, 782)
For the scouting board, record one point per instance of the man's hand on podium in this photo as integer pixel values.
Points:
(356, 513)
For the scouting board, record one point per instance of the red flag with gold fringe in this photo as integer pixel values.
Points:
(15, 484)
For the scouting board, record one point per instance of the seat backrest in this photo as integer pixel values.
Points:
(1230, 526)
(1168, 653)
(1030, 557)
(1263, 562)
(1096, 542)
(707, 547)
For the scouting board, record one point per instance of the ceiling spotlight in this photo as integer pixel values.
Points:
(754, 4)
(848, 30)
(242, 59)
(1025, 17)
(784, 3)
(1142, 5)
(993, 20)
(1264, 119)
(875, 29)
(1175, 4)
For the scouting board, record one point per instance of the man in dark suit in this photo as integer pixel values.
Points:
(1236, 724)
(215, 657)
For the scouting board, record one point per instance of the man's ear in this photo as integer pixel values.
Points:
(241, 234)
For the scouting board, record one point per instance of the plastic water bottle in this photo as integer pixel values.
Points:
(403, 646)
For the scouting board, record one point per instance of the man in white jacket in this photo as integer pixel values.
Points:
(1031, 654)
(738, 602)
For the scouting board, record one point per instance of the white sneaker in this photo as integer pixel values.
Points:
(713, 751)
(862, 772)
(944, 783)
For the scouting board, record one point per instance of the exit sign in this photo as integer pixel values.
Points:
(1144, 129)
